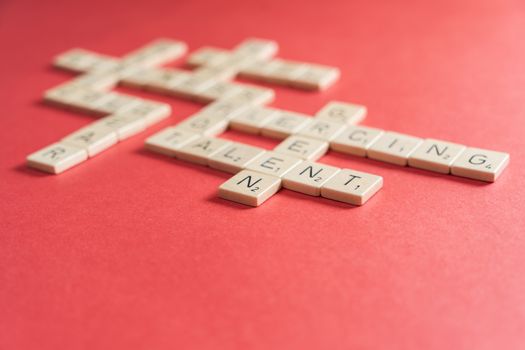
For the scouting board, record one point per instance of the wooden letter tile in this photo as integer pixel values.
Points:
(56, 158)
(234, 158)
(302, 147)
(435, 155)
(480, 164)
(393, 147)
(352, 186)
(308, 177)
(250, 188)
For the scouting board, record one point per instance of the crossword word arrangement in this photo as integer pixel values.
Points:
(258, 173)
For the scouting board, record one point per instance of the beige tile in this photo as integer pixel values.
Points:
(100, 81)
(157, 52)
(165, 80)
(191, 87)
(302, 147)
(56, 158)
(352, 186)
(284, 124)
(258, 71)
(94, 138)
(435, 155)
(80, 60)
(250, 188)
(252, 95)
(284, 72)
(125, 125)
(220, 90)
(356, 140)
(205, 123)
(207, 56)
(316, 77)
(393, 147)
(152, 112)
(342, 112)
(234, 158)
(308, 177)
(169, 140)
(62, 95)
(118, 103)
(273, 163)
(218, 73)
(225, 109)
(258, 49)
(82, 100)
(253, 119)
(200, 150)
(480, 164)
(149, 76)
(322, 129)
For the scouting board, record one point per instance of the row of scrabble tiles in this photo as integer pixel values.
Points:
(334, 127)
(98, 136)
(261, 173)
(202, 85)
(257, 65)
(104, 72)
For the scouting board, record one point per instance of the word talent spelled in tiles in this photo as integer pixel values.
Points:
(258, 173)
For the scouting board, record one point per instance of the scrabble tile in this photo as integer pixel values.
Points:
(250, 188)
(80, 61)
(435, 155)
(62, 95)
(225, 109)
(165, 80)
(253, 95)
(322, 129)
(125, 125)
(302, 147)
(207, 56)
(191, 86)
(259, 71)
(116, 103)
(258, 49)
(152, 112)
(220, 90)
(56, 158)
(351, 186)
(253, 119)
(284, 124)
(205, 123)
(156, 53)
(94, 138)
(480, 164)
(308, 177)
(273, 163)
(147, 75)
(218, 73)
(393, 147)
(83, 100)
(95, 81)
(200, 150)
(284, 71)
(342, 112)
(316, 77)
(356, 140)
(169, 140)
(234, 158)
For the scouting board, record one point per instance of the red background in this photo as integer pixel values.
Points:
(132, 250)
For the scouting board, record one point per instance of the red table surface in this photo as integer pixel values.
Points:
(133, 250)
